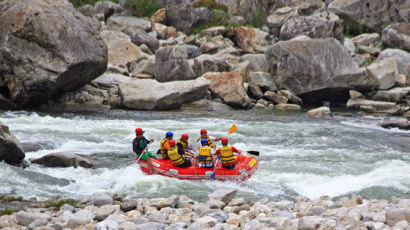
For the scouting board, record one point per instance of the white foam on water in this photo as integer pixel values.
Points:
(394, 174)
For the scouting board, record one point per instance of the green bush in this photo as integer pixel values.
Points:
(257, 19)
(7, 198)
(217, 18)
(58, 202)
(210, 4)
(7, 211)
(143, 8)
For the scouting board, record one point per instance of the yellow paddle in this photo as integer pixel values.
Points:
(232, 129)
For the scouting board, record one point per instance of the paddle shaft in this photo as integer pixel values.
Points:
(143, 152)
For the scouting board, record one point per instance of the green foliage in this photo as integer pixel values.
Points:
(143, 8)
(7, 198)
(79, 3)
(361, 26)
(58, 202)
(210, 4)
(7, 211)
(218, 18)
(257, 19)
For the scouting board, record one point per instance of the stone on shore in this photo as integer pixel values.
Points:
(26, 218)
(401, 123)
(318, 112)
(47, 48)
(100, 199)
(229, 87)
(397, 36)
(252, 40)
(10, 149)
(128, 24)
(288, 107)
(224, 195)
(402, 58)
(394, 216)
(65, 159)
(375, 106)
(385, 72)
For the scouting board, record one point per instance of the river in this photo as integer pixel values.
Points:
(336, 156)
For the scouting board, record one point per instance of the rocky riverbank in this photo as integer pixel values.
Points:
(103, 211)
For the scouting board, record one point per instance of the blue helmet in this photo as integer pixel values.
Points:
(169, 134)
(204, 142)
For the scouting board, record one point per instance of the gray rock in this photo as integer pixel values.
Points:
(318, 112)
(140, 37)
(319, 68)
(371, 15)
(219, 215)
(77, 220)
(397, 36)
(37, 145)
(263, 80)
(394, 216)
(106, 225)
(254, 90)
(65, 159)
(121, 52)
(177, 226)
(402, 58)
(349, 45)
(213, 44)
(100, 199)
(392, 95)
(55, 58)
(107, 8)
(103, 212)
(401, 123)
(291, 97)
(171, 201)
(236, 20)
(229, 87)
(10, 149)
(309, 223)
(192, 51)
(384, 72)
(146, 66)
(274, 97)
(375, 106)
(319, 25)
(237, 202)
(355, 94)
(128, 24)
(108, 35)
(208, 63)
(151, 226)
(87, 10)
(214, 31)
(252, 40)
(26, 218)
(258, 62)
(171, 63)
(224, 195)
(37, 223)
(279, 17)
(362, 60)
(183, 16)
(206, 222)
(366, 39)
(128, 205)
(157, 217)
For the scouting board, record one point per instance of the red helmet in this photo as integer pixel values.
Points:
(171, 143)
(224, 140)
(203, 131)
(184, 136)
(138, 131)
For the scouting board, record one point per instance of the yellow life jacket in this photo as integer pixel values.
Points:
(205, 154)
(227, 155)
(183, 144)
(162, 147)
(210, 144)
(175, 157)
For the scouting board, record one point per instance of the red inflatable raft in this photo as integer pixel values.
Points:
(245, 167)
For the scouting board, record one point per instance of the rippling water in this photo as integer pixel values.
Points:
(298, 155)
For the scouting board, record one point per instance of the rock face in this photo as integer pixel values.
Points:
(182, 15)
(397, 36)
(148, 94)
(47, 48)
(10, 149)
(315, 69)
(65, 159)
(402, 59)
(373, 15)
(319, 25)
(229, 87)
(171, 63)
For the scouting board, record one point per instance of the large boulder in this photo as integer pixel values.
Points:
(171, 63)
(140, 37)
(257, 62)
(375, 106)
(366, 39)
(128, 24)
(47, 48)
(316, 70)
(182, 15)
(402, 59)
(385, 72)
(397, 36)
(392, 95)
(229, 87)
(148, 94)
(208, 63)
(319, 25)
(279, 17)
(65, 159)
(252, 40)
(121, 52)
(10, 148)
(371, 15)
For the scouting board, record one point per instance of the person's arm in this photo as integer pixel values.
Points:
(135, 146)
(235, 150)
(215, 138)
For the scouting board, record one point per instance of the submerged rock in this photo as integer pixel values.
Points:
(10, 149)
(65, 159)
(35, 146)
(47, 48)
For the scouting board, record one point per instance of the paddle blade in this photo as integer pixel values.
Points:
(232, 129)
(255, 153)
(213, 176)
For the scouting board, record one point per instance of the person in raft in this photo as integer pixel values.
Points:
(226, 152)
(174, 153)
(183, 148)
(164, 145)
(139, 145)
(210, 139)
(205, 157)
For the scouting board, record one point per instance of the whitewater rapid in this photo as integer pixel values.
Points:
(298, 155)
